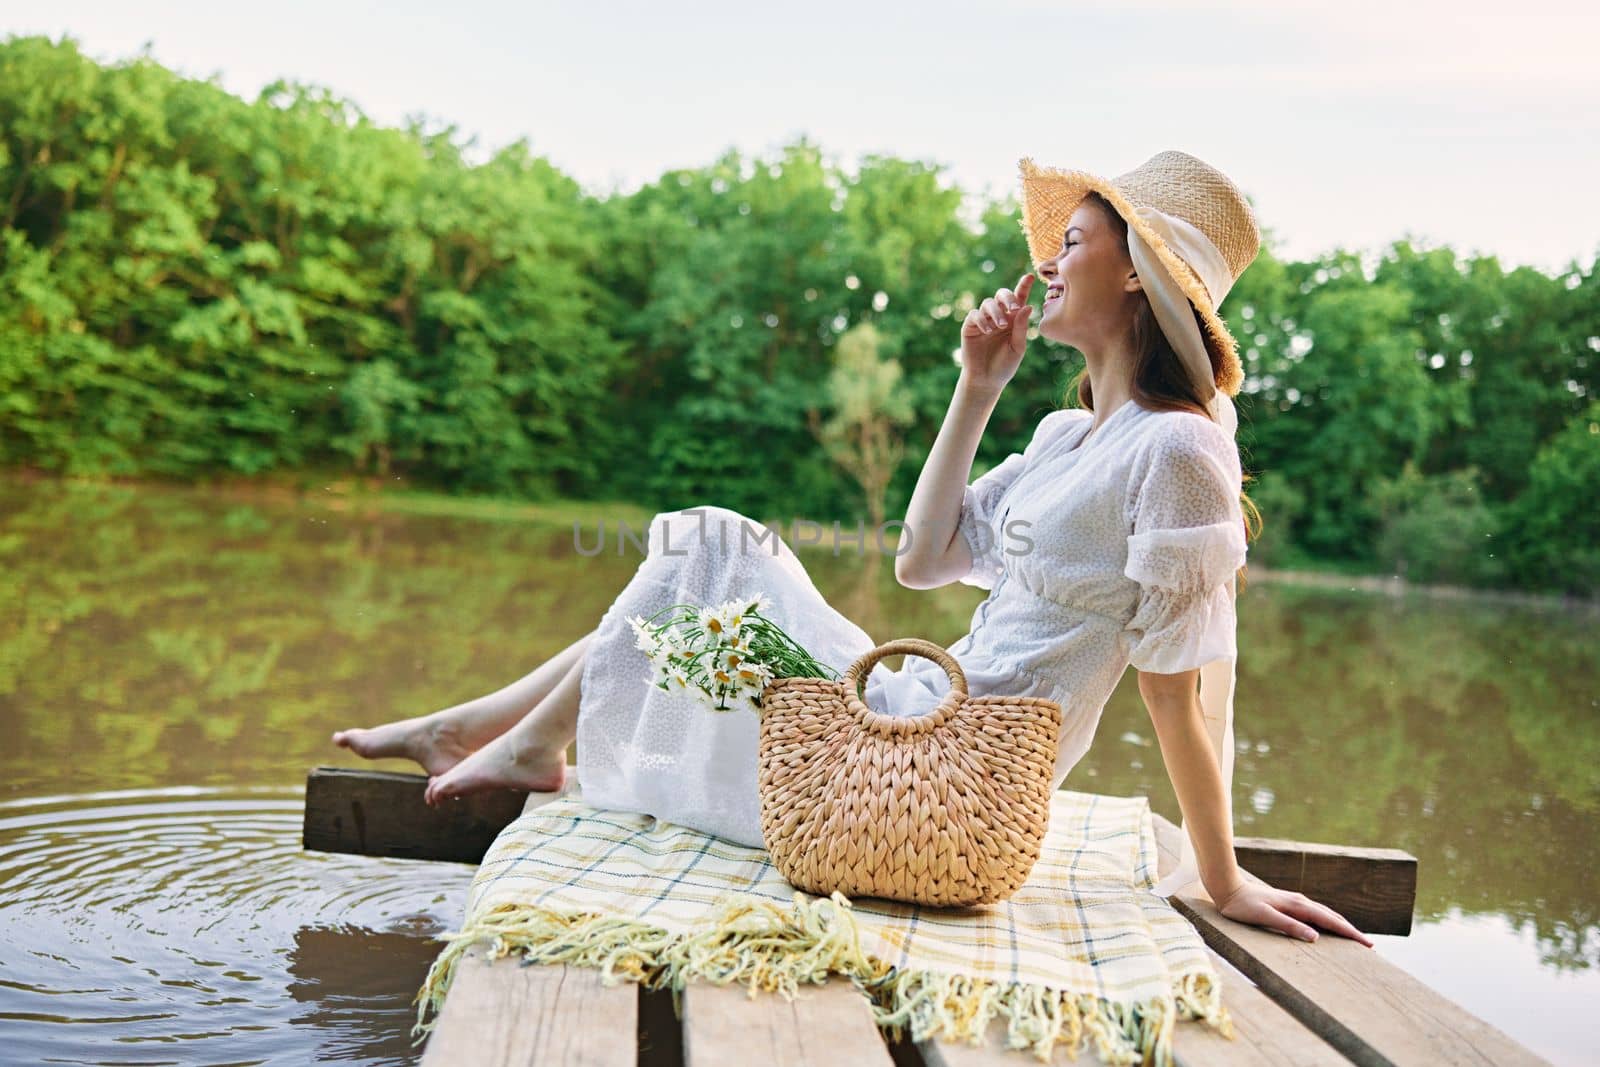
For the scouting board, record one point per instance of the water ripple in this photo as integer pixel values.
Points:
(189, 925)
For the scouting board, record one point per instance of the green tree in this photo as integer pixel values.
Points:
(862, 432)
(1553, 527)
(1342, 402)
(1436, 528)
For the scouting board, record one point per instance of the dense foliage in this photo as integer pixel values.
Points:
(193, 284)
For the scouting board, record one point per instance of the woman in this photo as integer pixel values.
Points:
(1112, 539)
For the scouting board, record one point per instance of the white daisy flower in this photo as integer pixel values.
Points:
(732, 614)
(753, 674)
(712, 622)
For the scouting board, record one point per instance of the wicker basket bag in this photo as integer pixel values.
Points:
(947, 808)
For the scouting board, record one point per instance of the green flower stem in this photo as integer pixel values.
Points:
(765, 643)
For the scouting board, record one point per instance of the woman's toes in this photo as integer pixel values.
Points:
(371, 744)
(441, 787)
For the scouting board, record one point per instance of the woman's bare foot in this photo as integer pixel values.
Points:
(504, 763)
(435, 743)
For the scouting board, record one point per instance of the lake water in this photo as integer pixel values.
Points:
(173, 660)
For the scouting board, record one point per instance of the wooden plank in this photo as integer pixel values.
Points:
(1359, 1002)
(381, 813)
(1368, 1009)
(504, 1013)
(1375, 888)
(1264, 1034)
(826, 1025)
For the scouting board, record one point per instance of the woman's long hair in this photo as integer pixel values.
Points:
(1160, 381)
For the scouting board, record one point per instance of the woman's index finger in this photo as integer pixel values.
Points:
(1025, 286)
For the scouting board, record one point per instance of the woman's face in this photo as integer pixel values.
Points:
(1091, 290)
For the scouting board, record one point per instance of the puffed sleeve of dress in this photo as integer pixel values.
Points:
(1187, 543)
(981, 501)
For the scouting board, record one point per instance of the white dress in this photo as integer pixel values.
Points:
(1097, 553)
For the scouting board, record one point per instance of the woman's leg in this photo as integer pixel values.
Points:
(531, 756)
(442, 739)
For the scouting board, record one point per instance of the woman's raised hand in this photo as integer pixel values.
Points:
(995, 334)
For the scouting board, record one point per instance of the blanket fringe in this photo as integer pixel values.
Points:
(763, 946)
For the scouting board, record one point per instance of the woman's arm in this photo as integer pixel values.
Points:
(1175, 712)
(936, 556)
(993, 339)
(1174, 704)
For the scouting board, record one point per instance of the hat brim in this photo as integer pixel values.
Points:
(1049, 197)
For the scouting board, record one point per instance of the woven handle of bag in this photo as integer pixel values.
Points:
(894, 724)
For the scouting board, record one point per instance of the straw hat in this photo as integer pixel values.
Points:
(1191, 217)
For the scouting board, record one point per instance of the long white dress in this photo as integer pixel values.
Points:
(1100, 552)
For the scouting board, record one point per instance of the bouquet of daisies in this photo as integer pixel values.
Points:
(726, 653)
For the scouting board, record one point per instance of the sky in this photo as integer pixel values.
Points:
(1351, 125)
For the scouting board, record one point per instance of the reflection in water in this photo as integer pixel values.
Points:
(357, 987)
(172, 663)
(189, 926)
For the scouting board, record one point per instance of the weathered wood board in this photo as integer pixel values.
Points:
(1375, 888)
(378, 813)
(723, 1026)
(1365, 1007)
(505, 1013)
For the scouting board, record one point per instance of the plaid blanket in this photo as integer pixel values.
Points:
(1083, 951)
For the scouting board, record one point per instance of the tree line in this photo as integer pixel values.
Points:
(194, 284)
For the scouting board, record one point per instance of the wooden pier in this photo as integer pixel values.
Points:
(1328, 1002)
